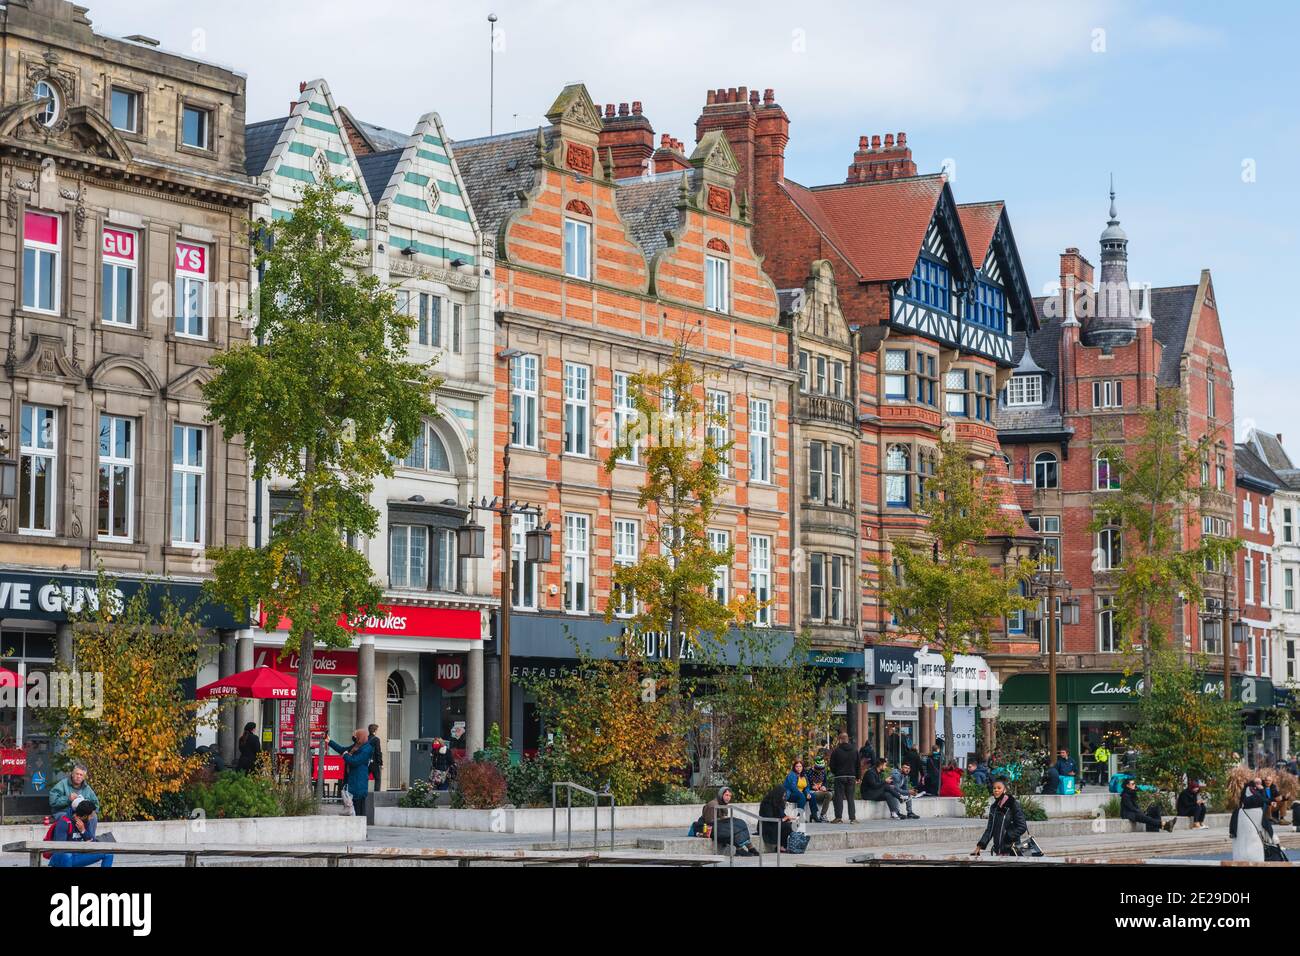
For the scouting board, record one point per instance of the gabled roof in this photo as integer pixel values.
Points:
(259, 142)
(879, 227)
(496, 169)
(1171, 312)
(377, 168)
(1252, 471)
(378, 138)
(1268, 448)
(979, 220)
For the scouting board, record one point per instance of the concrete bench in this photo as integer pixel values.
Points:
(333, 855)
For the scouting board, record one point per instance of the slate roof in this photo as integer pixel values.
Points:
(878, 227)
(1251, 467)
(1171, 311)
(381, 138)
(979, 220)
(495, 170)
(377, 170)
(1268, 448)
(259, 141)
(649, 208)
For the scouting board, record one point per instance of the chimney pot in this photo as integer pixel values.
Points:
(875, 141)
(636, 107)
(902, 139)
(609, 109)
(1279, 438)
(731, 94)
(663, 140)
(862, 142)
(769, 96)
(710, 98)
(622, 109)
(753, 97)
(302, 87)
(742, 94)
(889, 141)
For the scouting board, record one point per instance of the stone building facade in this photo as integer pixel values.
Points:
(123, 267)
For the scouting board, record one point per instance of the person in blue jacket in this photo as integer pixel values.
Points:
(356, 768)
(796, 785)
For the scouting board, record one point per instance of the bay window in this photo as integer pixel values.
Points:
(956, 400)
(817, 586)
(816, 470)
(897, 480)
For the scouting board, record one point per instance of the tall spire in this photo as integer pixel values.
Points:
(1115, 311)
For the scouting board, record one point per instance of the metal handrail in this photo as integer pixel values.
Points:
(569, 787)
(728, 810)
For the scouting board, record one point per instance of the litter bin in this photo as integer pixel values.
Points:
(421, 762)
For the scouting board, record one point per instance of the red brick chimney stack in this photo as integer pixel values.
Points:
(875, 161)
(670, 157)
(627, 132)
(758, 130)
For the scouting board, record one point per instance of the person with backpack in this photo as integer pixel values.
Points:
(76, 824)
(76, 785)
(1006, 822)
(377, 757)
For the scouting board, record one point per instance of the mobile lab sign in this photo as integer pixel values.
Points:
(52, 597)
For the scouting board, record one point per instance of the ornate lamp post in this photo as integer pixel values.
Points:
(8, 469)
(1045, 584)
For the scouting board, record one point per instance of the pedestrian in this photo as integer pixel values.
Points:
(376, 757)
(912, 757)
(933, 772)
(1191, 804)
(1063, 768)
(876, 787)
(820, 783)
(846, 776)
(76, 785)
(1006, 822)
(1248, 825)
(773, 807)
(796, 785)
(899, 786)
(249, 748)
(1129, 810)
(728, 831)
(978, 772)
(950, 780)
(356, 768)
(76, 824)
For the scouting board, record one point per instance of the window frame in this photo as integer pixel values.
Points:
(183, 280)
(137, 105)
(408, 577)
(717, 429)
(577, 409)
(1108, 629)
(106, 513)
(760, 441)
(623, 606)
(207, 113)
(112, 269)
(625, 414)
(1029, 389)
(717, 284)
(1110, 548)
(524, 398)
(760, 577)
(34, 273)
(961, 392)
(902, 477)
(1112, 478)
(579, 241)
(180, 442)
(1049, 468)
(720, 540)
(577, 563)
(34, 450)
(524, 575)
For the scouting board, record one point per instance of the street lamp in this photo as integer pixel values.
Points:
(8, 469)
(1046, 583)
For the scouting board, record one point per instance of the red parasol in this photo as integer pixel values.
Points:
(260, 683)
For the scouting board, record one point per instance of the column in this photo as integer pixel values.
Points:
(248, 711)
(227, 732)
(474, 732)
(63, 643)
(366, 681)
(491, 692)
(990, 735)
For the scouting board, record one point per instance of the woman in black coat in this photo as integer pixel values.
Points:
(249, 748)
(773, 805)
(1129, 809)
(1190, 805)
(1006, 822)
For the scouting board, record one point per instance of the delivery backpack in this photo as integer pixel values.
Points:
(796, 842)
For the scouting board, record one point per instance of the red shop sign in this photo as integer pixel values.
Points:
(13, 763)
(410, 620)
(119, 244)
(449, 672)
(326, 664)
(192, 260)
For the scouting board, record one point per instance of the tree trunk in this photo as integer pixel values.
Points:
(947, 712)
(306, 660)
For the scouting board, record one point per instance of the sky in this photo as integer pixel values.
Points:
(1190, 105)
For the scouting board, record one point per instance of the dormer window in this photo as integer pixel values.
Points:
(1024, 390)
(989, 307)
(931, 284)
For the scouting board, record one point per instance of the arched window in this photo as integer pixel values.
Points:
(428, 453)
(898, 461)
(1045, 475)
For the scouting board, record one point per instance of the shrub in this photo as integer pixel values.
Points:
(671, 795)
(1034, 811)
(234, 794)
(1111, 808)
(480, 785)
(975, 798)
(420, 794)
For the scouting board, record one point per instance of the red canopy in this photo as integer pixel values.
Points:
(260, 683)
(9, 679)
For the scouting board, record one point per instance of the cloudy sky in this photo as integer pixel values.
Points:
(1191, 106)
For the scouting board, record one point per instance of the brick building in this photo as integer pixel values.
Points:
(416, 669)
(1256, 587)
(603, 268)
(123, 265)
(932, 292)
(1103, 349)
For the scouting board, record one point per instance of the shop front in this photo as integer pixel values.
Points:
(35, 633)
(1098, 709)
(415, 670)
(545, 645)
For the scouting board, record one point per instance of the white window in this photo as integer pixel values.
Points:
(195, 123)
(1025, 390)
(1250, 651)
(718, 429)
(577, 249)
(45, 90)
(760, 577)
(760, 440)
(1107, 475)
(817, 586)
(835, 490)
(1107, 394)
(720, 541)
(39, 470)
(428, 328)
(1247, 514)
(1110, 549)
(837, 379)
(1263, 514)
(523, 401)
(803, 371)
(1263, 581)
(42, 259)
(1209, 396)
(523, 576)
(575, 562)
(1249, 567)
(1045, 470)
(119, 251)
(428, 453)
(816, 470)
(819, 380)
(1108, 636)
(116, 477)
(717, 284)
(1288, 589)
(125, 110)
(625, 414)
(444, 570)
(576, 409)
(408, 556)
(1288, 527)
(1264, 669)
(457, 327)
(192, 290)
(836, 608)
(189, 464)
(627, 538)
(955, 389)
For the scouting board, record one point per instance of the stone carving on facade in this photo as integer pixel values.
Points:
(321, 166)
(77, 195)
(46, 358)
(64, 82)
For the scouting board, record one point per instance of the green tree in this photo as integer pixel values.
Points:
(131, 733)
(669, 588)
(325, 398)
(1162, 476)
(1181, 729)
(943, 592)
